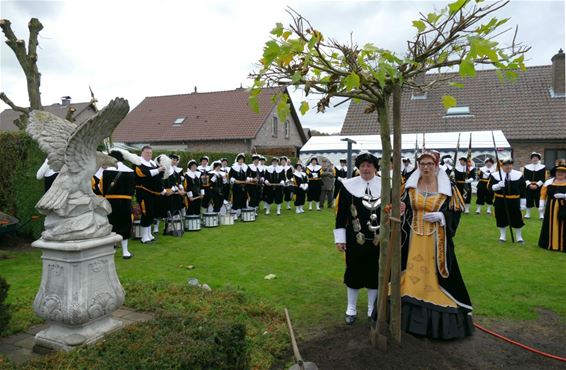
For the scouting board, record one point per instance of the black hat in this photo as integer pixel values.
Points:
(262, 158)
(463, 159)
(489, 159)
(216, 164)
(508, 160)
(191, 162)
(367, 157)
(203, 158)
(313, 159)
(117, 154)
(240, 156)
(223, 160)
(284, 158)
(299, 165)
(274, 159)
(535, 154)
(174, 156)
(406, 159)
(343, 160)
(255, 157)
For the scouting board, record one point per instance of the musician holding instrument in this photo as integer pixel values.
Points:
(254, 175)
(193, 189)
(238, 179)
(273, 186)
(535, 176)
(218, 180)
(464, 174)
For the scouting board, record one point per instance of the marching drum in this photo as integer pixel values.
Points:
(136, 229)
(248, 215)
(192, 222)
(174, 226)
(226, 219)
(210, 219)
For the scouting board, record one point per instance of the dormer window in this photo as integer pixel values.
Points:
(179, 121)
(463, 111)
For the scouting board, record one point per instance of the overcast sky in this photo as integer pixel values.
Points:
(135, 49)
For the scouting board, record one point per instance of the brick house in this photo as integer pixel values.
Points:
(211, 122)
(531, 111)
(83, 111)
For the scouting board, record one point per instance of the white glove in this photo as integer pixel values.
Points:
(190, 194)
(523, 204)
(528, 182)
(232, 180)
(500, 185)
(305, 187)
(213, 179)
(560, 196)
(267, 182)
(281, 182)
(315, 175)
(539, 183)
(434, 217)
(201, 191)
(469, 181)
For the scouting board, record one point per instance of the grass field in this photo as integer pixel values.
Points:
(504, 280)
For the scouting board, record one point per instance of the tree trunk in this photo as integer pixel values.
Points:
(395, 240)
(384, 130)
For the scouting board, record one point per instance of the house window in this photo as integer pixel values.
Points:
(274, 127)
(179, 121)
(551, 155)
(463, 111)
(287, 131)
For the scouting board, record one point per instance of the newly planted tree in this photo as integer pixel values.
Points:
(461, 35)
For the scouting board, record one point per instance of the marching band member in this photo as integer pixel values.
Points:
(553, 232)
(288, 174)
(356, 233)
(218, 181)
(254, 175)
(204, 169)
(226, 169)
(163, 203)
(447, 165)
(535, 176)
(464, 174)
(118, 185)
(193, 189)
(46, 174)
(273, 185)
(149, 187)
(407, 169)
(484, 193)
(301, 185)
(510, 192)
(238, 177)
(340, 173)
(314, 172)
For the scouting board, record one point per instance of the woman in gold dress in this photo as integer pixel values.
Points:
(435, 302)
(553, 193)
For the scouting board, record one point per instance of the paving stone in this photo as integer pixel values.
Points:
(139, 316)
(36, 329)
(26, 343)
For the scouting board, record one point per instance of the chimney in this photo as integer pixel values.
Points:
(195, 90)
(558, 75)
(66, 100)
(419, 81)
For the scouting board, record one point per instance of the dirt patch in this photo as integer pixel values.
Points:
(348, 347)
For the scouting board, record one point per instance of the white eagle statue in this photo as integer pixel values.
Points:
(72, 210)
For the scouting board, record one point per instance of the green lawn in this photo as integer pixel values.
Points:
(503, 280)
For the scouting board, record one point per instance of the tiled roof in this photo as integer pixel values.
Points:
(82, 113)
(522, 109)
(209, 116)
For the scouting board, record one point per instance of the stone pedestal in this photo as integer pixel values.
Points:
(79, 291)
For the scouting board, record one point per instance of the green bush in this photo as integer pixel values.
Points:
(4, 312)
(170, 341)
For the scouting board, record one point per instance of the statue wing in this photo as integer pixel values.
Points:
(80, 152)
(51, 133)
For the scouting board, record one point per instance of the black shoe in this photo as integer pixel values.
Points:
(128, 257)
(350, 319)
(147, 242)
(521, 242)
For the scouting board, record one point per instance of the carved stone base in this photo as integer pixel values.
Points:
(79, 291)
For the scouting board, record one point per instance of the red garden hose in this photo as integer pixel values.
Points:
(520, 344)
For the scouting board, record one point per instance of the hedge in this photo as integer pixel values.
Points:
(20, 158)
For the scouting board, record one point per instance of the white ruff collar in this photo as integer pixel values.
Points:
(149, 163)
(236, 167)
(314, 168)
(193, 175)
(253, 167)
(514, 175)
(444, 186)
(357, 186)
(535, 167)
(121, 168)
(277, 169)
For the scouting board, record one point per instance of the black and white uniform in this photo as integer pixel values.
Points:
(534, 174)
(464, 177)
(446, 167)
(173, 203)
(484, 193)
(513, 193)
(205, 184)
(227, 190)
(149, 187)
(218, 181)
(178, 180)
(254, 176)
(300, 183)
(239, 195)
(274, 182)
(288, 190)
(46, 174)
(193, 189)
(362, 261)
(340, 174)
(118, 185)
(406, 172)
(314, 174)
